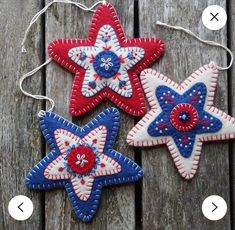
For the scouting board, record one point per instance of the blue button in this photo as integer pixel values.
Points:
(106, 64)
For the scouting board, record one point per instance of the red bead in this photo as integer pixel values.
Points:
(102, 165)
(83, 181)
(60, 169)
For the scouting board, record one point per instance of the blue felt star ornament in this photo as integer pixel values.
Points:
(82, 160)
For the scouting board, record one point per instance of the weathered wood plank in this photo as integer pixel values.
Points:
(169, 202)
(19, 134)
(117, 204)
(58, 24)
(232, 95)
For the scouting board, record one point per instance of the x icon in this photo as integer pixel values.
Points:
(214, 16)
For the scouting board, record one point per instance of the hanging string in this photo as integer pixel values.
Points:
(38, 97)
(32, 72)
(42, 11)
(212, 43)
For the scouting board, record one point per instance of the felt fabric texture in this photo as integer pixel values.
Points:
(106, 64)
(182, 116)
(82, 160)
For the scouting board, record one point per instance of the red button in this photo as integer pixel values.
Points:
(184, 117)
(81, 159)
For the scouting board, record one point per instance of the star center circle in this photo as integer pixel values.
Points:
(106, 64)
(184, 117)
(81, 160)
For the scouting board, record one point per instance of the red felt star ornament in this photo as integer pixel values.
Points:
(106, 64)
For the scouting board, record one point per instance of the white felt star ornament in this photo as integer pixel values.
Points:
(182, 116)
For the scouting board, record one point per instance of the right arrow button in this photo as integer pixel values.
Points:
(214, 207)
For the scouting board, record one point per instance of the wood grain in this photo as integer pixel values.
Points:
(169, 202)
(231, 16)
(20, 146)
(58, 83)
(117, 204)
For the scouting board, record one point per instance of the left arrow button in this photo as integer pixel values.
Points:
(20, 207)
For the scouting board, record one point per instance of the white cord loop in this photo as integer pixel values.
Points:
(38, 97)
(42, 11)
(42, 113)
(212, 43)
(32, 72)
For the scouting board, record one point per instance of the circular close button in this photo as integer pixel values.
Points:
(214, 207)
(20, 207)
(214, 17)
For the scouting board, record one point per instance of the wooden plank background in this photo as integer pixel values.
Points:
(162, 200)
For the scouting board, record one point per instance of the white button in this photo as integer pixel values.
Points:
(20, 207)
(214, 207)
(214, 17)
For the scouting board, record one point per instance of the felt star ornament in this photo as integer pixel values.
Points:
(182, 116)
(106, 64)
(82, 160)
